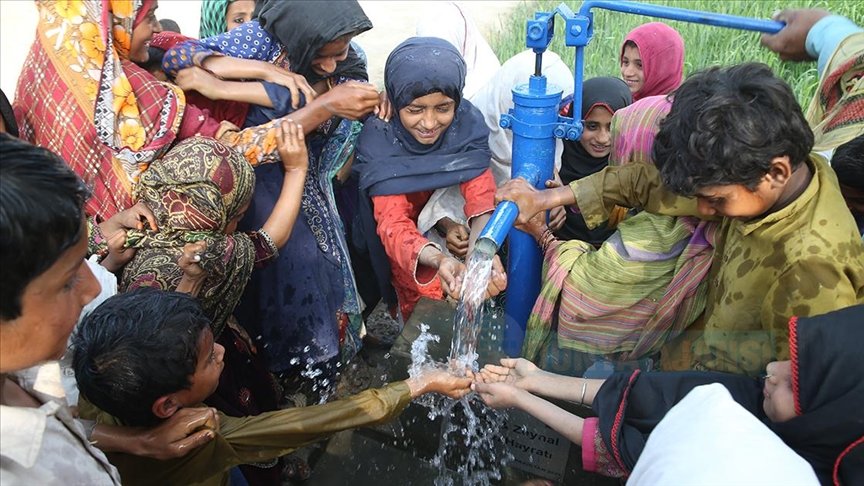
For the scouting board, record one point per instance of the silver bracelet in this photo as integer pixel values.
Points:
(584, 387)
(267, 239)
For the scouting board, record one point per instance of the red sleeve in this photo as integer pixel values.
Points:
(197, 122)
(397, 227)
(479, 194)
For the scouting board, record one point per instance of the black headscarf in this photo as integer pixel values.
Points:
(827, 371)
(577, 163)
(828, 384)
(304, 27)
(611, 93)
(389, 160)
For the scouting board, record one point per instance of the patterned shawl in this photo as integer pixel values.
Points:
(836, 113)
(644, 285)
(213, 18)
(79, 96)
(195, 190)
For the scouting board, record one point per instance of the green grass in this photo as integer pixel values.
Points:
(704, 45)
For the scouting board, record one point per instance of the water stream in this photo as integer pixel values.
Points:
(471, 442)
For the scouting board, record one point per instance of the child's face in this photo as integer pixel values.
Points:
(734, 201)
(331, 54)
(239, 12)
(779, 403)
(206, 377)
(142, 35)
(631, 68)
(427, 117)
(596, 138)
(50, 306)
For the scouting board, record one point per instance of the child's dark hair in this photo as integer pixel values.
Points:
(848, 163)
(725, 127)
(135, 348)
(41, 215)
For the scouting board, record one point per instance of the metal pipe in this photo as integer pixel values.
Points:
(684, 15)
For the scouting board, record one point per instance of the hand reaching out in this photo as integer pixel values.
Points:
(384, 110)
(295, 83)
(789, 42)
(498, 395)
(439, 381)
(183, 432)
(513, 371)
(291, 145)
(190, 260)
(351, 100)
(452, 272)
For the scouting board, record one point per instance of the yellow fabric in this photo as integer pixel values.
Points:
(259, 438)
(805, 259)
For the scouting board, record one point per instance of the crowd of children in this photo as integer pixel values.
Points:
(253, 183)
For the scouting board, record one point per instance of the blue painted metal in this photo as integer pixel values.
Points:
(535, 124)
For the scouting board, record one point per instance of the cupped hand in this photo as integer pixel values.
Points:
(291, 145)
(789, 42)
(450, 272)
(513, 371)
(438, 381)
(351, 100)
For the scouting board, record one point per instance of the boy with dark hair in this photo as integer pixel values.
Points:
(736, 141)
(143, 355)
(45, 284)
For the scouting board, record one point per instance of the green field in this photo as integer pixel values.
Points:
(704, 45)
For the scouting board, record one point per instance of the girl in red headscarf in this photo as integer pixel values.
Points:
(652, 60)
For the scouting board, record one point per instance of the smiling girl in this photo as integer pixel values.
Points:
(652, 60)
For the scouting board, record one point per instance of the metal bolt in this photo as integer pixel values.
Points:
(558, 132)
(504, 122)
(576, 29)
(535, 32)
(572, 134)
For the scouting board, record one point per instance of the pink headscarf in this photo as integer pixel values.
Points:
(662, 51)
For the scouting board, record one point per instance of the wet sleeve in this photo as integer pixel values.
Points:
(273, 434)
(396, 225)
(479, 194)
(631, 186)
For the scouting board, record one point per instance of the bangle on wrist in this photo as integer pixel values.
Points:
(584, 388)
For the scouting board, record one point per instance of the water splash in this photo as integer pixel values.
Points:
(471, 308)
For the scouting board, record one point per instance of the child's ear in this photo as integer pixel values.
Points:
(780, 171)
(165, 406)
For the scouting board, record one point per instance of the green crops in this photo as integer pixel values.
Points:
(704, 45)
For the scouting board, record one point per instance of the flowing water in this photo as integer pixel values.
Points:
(471, 442)
(471, 308)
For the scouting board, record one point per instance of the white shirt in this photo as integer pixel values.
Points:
(47, 445)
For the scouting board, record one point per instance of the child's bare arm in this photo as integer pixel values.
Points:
(295, 161)
(503, 395)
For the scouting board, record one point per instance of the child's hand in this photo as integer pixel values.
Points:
(384, 110)
(118, 255)
(513, 371)
(132, 218)
(498, 395)
(457, 240)
(438, 381)
(498, 280)
(450, 272)
(292, 146)
(190, 260)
